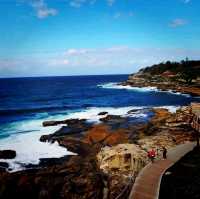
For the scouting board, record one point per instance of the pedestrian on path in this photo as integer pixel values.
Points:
(164, 150)
(152, 155)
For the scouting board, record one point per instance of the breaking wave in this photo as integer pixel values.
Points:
(114, 85)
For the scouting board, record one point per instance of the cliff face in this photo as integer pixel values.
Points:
(181, 77)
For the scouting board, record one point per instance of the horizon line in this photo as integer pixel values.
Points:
(61, 76)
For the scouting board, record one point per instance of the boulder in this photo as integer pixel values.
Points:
(136, 111)
(65, 130)
(68, 122)
(115, 121)
(101, 135)
(132, 111)
(74, 128)
(71, 122)
(7, 154)
(4, 164)
(51, 123)
(76, 146)
(45, 138)
(112, 118)
(103, 113)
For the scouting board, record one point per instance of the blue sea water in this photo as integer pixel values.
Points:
(26, 98)
(26, 102)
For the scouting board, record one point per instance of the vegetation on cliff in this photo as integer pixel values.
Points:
(182, 77)
(185, 70)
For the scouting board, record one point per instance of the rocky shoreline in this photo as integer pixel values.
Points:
(163, 83)
(108, 154)
(101, 167)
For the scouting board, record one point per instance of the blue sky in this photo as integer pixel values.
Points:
(79, 37)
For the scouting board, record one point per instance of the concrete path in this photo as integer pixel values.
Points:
(147, 184)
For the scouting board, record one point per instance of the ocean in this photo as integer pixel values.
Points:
(26, 102)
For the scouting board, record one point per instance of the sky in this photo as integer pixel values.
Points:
(90, 37)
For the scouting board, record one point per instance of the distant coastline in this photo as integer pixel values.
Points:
(182, 77)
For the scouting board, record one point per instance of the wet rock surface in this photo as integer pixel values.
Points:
(79, 176)
(46, 162)
(103, 113)
(73, 127)
(67, 122)
(3, 166)
(76, 145)
(7, 154)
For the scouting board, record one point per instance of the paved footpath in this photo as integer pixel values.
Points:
(147, 184)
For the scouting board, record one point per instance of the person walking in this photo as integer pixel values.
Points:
(164, 150)
(152, 155)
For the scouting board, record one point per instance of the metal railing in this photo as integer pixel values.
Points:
(127, 189)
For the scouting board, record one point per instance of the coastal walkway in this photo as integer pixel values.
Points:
(147, 183)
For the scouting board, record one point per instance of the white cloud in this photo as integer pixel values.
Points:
(71, 51)
(117, 49)
(186, 1)
(116, 59)
(110, 2)
(123, 14)
(58, 62)
(75, 51)
(43, 13)
(42, 10)
(79, 3)
(178, 22)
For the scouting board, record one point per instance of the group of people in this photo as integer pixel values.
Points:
(152, 154)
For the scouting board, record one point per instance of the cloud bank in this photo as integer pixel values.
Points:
(114, 60)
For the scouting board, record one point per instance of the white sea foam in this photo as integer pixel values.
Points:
(171, 109)
(27, 145)
(176, 93)
(91, 114)
(114, 85)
